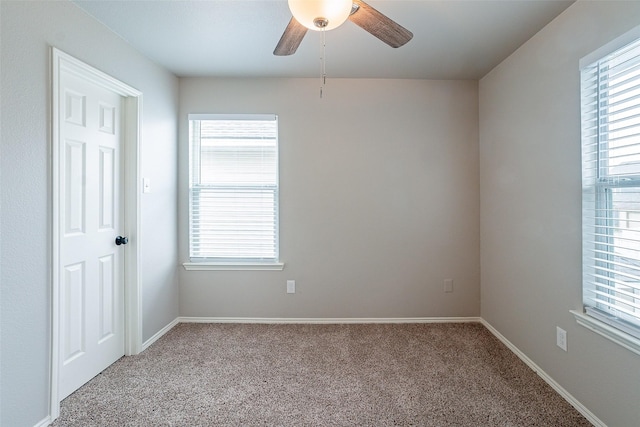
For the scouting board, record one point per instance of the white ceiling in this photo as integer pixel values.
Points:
(453, 39)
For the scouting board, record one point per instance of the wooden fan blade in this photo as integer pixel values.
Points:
(291, 38)
(377, 24)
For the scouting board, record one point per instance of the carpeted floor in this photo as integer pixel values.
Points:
(320, 375)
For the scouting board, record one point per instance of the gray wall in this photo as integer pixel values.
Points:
(378, 205)
(28, 29)
(531, 207)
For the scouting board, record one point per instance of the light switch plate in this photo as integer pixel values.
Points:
(146, 185)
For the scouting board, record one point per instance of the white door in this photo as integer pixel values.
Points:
(91, 290)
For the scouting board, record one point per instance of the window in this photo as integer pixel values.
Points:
(610, 91)
(233, 191)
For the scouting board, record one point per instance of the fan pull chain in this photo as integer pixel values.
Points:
(323, 69)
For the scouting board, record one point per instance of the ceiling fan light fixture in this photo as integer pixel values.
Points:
(320, 15)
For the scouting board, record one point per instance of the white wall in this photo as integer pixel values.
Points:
(531, 207)
(378, 204)
(28, 29)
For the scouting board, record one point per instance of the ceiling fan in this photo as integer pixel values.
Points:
(319, 15)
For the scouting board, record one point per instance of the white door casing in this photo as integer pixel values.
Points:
(95, 197)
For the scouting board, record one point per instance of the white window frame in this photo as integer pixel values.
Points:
(230, 263)
(604, 319)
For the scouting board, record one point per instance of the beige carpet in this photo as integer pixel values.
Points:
(320, 375)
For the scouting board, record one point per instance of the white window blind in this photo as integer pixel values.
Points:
(233, 191)
(610, 91)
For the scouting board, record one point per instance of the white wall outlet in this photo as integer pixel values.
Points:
(561, 338)
(448, 285)
(291, 286)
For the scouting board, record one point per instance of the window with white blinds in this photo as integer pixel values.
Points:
(610, 92)
(233, 192)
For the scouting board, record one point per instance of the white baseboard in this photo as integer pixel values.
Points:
(159, 334)
(44, 422)
(557, 387)
(328, 320)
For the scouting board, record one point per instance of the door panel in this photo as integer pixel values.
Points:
(92, 297)
(75, 157)
(107, 192)
(73, 308)
(107, 298)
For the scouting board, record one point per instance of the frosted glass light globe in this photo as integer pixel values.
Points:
(306, 12)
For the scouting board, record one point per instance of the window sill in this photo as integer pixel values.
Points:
(621, 338)
(235, 266)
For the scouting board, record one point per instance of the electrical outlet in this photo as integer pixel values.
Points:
(561, 338)
(448, 285)
(291, 286)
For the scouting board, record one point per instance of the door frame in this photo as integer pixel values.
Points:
(131, 127)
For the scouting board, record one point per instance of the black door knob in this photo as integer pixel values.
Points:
(121, 240)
